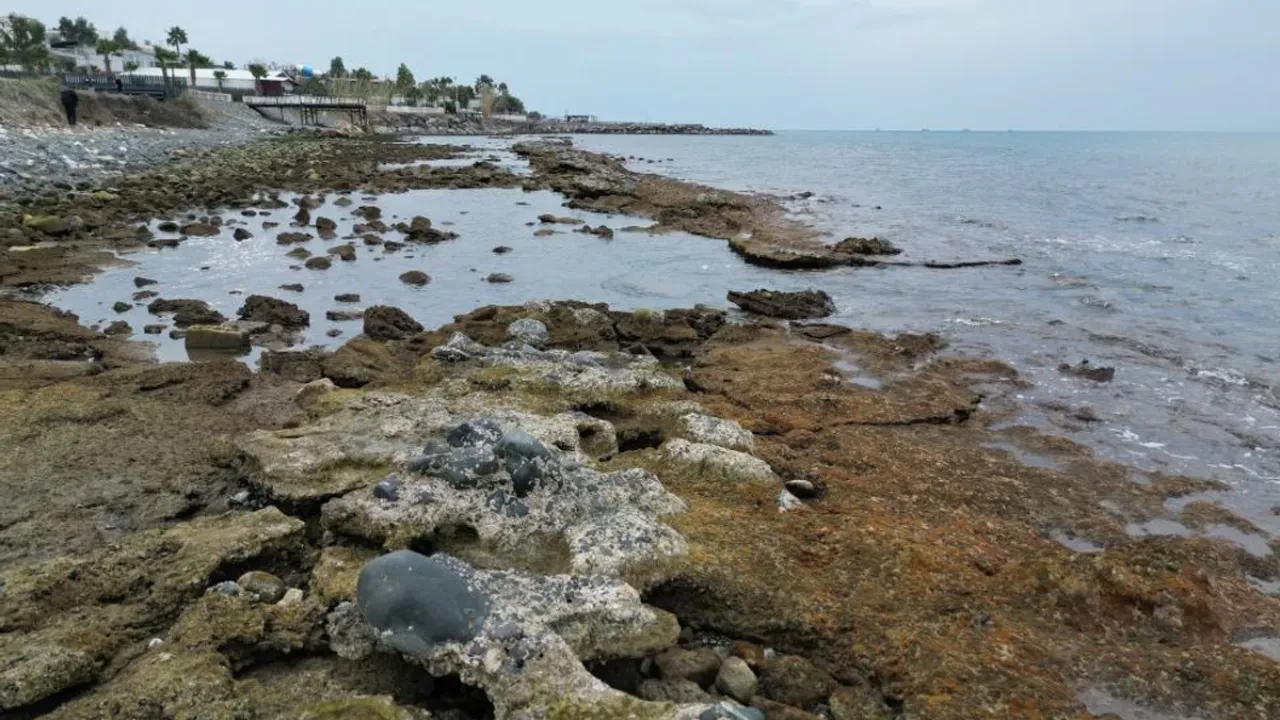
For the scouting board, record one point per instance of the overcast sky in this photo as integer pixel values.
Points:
(784, 64)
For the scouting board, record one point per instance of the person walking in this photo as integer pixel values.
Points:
(69, 101)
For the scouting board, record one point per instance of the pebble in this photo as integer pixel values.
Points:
(292, 596)
(388, 489)
(228, 588)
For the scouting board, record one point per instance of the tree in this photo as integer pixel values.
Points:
(130, 66)
(78, 31)
(508, 104)
(164, 58)
(219, 76)
(482, 82)
(404, 78)
(106, 48)
(502, 88)
(413, 95)
(122, 39)
(361, 75)
(450, 107)
(337, 68)
(228, 65)
(177, 37)
(258, 71)
(22, 42)
(195, 60)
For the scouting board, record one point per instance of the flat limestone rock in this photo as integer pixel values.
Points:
(731, 464)
(710, 430)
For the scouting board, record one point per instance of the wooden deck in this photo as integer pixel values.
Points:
(310, 107)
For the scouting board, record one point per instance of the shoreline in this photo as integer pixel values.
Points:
(914, 569)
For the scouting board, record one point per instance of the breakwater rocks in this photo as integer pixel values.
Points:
(624, 128)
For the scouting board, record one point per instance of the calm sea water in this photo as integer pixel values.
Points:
(1155, 253)
(1158, 253)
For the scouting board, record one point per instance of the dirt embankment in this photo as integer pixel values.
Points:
(36, 103)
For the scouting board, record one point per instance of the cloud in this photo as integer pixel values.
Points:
(787, 63)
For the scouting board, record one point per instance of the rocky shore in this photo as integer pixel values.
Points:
(561, 510)
(472, 125)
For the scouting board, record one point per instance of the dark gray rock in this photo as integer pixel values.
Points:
(416, 602)
(700, 665)
(262, 308)
(143, 282)
(679, 692)
(527, 460)
(473, 433)
(800, 305)
(415, 277)
(387, 489)
(464, 468)
(499, 278)
(1089, 371)
(347, 297)
(122, 307)
(241, 234)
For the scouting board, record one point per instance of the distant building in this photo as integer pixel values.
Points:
(87, 55)
(579, 118)
(276, 83)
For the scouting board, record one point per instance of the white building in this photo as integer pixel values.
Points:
(241, 80)
(87, 56)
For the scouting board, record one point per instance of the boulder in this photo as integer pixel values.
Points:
(700, 665)
(368, 212)
(50, 224)
(416, 602)
(118, 327)
(382, 322)
(603, 231)
(806, 304)
(187, 312)
(299, 253)
(153, 329)
(529, 331)
(499, 278)
(229, 336)
(325, 225)
(272, 311)
(141, 282)
(345, 253)
(290, 238)
(262, 586)
(710, 430)
(319, 262)
(241, 234)
(736, 680)
(866, 246)
(501, 250)
(415, 277)
(292, 287)
(858, 704)
(200, 229)
(301, 366)
(122, 307)
(347, 298)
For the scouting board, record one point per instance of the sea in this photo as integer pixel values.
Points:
(1155, 253)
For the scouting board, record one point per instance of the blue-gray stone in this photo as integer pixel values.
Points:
(416, 602)
(230, 588)
(730, 711)
(463, 468)
(387, 489)
(474, 432)
(526, 460)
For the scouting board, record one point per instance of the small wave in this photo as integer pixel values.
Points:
(975, 322)
(1129, 436)
(1228, 376)
(1093, 301)
(1138, 219)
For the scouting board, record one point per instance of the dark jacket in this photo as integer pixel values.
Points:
(69, 97)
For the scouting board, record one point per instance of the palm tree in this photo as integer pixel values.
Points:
(195, 60)
(106, 48)
(177, 38)
(502, 89)
(164, 58)
(219, 76)
(259, 71)
(483, 81)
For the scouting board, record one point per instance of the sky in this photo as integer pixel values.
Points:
(782, 64)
